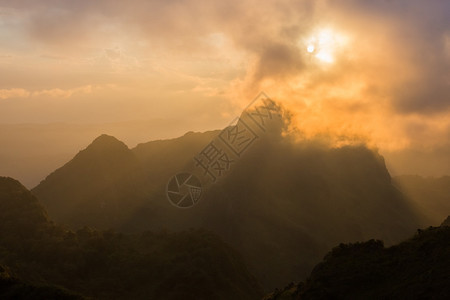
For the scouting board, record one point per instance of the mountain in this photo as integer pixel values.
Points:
(53, 144)
(284, 205)
(87, 189)
(446, 222)
(193, 264)
(20, 212)
(104, 183)
(418, 268)
(281, 200)
(430, 196)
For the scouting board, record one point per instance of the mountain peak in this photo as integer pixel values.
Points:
(107, 142)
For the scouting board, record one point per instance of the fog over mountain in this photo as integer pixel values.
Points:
(54, 144)
(282, 200)
(268, 221)
(225, 150)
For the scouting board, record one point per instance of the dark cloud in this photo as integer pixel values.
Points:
(419, 30)
(278, 61)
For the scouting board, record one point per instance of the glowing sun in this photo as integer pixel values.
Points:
(324, 45)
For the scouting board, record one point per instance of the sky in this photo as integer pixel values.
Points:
(354, 70)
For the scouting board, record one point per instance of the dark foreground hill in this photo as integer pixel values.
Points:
(418, 268)
(13, 288)
(282, 206)
(107, 265)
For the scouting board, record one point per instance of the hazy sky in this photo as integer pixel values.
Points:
(355, 69)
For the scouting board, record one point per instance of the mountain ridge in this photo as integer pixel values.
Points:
(293, 197)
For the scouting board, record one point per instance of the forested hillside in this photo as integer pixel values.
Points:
(108, 265)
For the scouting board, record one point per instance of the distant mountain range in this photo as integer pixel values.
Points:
(282, 206)
(53, 144)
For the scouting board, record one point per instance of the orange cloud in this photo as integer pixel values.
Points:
(13, 93)
(356, 70)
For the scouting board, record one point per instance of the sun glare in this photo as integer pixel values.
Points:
(324, 44)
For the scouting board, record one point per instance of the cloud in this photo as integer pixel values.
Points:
(389, 81)
(13, 93)
(46, 93)
(61, 93)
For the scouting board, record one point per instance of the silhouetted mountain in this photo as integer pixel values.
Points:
(191, 264)
(20, 212)
(104, 183)
(418, 268)
(430, 196)
(284, 205)
(95, 187)
(282, 200)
